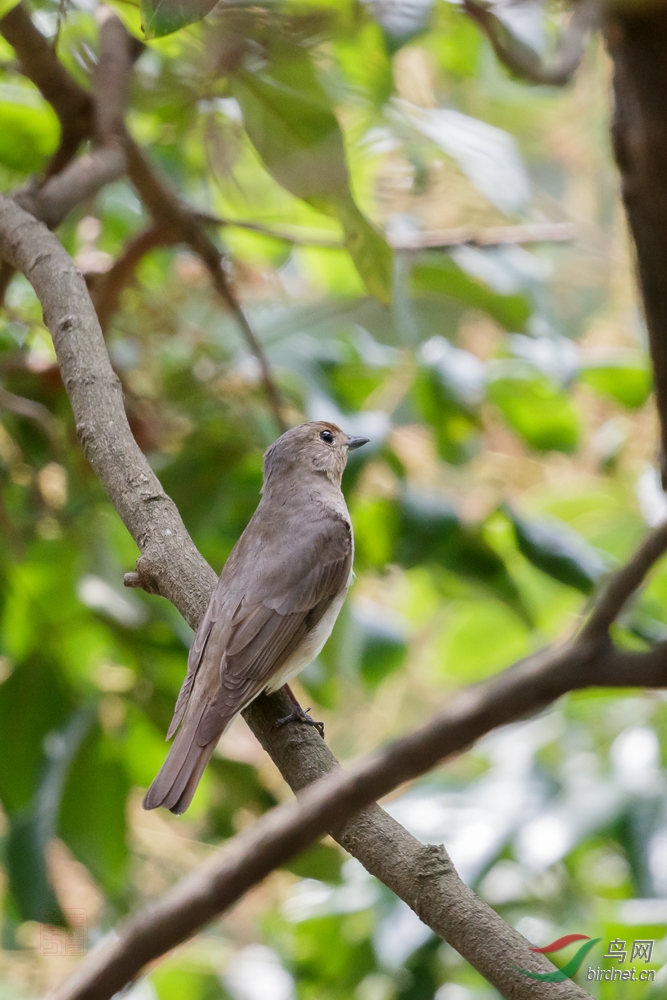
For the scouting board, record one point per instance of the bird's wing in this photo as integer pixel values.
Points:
(235, 653)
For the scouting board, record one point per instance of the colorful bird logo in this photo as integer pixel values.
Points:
(568, 970)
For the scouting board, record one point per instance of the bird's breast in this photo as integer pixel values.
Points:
(311, 646)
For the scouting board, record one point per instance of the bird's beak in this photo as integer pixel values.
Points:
(356, 442)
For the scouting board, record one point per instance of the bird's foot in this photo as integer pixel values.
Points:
(299, 715)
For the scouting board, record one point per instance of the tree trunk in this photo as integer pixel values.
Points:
(638, 47)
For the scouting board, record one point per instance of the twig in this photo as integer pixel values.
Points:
(52, 200)
(549, 232)
(112, 77)
(167, 210)
(522, 60)
(32, 410)
(106, 292)
(625, 582)
(83, 178)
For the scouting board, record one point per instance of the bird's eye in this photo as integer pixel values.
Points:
(327, 436)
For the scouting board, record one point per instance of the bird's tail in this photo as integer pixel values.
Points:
(177, 780)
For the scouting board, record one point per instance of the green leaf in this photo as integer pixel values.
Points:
(383, 648)
(536, 409)
(163, 17)
(629, 385)
(291, 123)
(29, 130)
(29, 882)
(432, 532)
(448, 389)
(7, 5)
(436, 273)
(32, 829)
(559, 551)
(238, 787)
(25, 721)
(321, 862)
(92, 816)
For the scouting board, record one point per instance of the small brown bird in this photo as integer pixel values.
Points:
(275, 604)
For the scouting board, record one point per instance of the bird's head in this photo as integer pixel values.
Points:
(317, 448)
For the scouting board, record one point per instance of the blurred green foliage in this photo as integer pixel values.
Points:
(504, 391)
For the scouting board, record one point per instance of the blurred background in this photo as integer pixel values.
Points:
(506, 393)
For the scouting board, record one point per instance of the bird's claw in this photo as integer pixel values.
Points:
(300, 716)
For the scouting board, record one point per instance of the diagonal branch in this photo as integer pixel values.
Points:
(52, 200)
(168, 211)
(524, 61)
(106, 292)
(30, 409)
(171, 565)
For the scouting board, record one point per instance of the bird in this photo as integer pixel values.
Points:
(275, 604)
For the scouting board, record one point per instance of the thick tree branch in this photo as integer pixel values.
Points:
(638, 46)
(524, 61)
(283, 832)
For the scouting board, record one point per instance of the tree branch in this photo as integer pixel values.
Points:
(637, 43)
(52, 200)
(524, 61)
(548, 232)
(112, 78)
(167, 210)
(106, 292)
(31, 410)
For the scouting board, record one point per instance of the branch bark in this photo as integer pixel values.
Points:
(638, 47)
